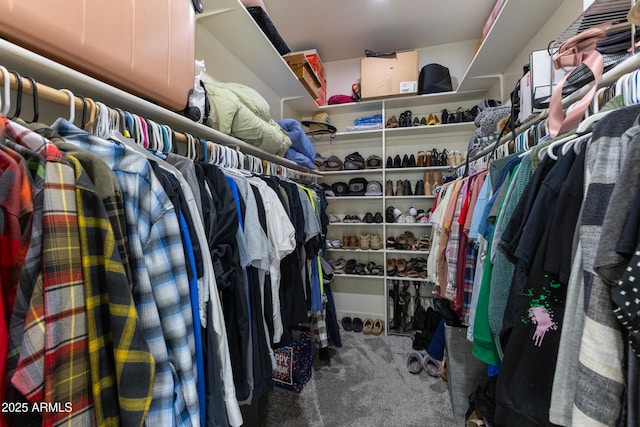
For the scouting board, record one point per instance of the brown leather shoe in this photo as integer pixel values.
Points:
(388, 188)
(428, 179)
(399, 188)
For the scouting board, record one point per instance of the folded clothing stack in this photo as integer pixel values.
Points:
(366, 123)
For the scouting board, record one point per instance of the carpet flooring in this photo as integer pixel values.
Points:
(366, 384)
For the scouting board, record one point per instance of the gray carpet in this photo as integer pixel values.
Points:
(366, 384)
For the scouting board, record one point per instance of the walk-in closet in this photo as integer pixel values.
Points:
(366, 213)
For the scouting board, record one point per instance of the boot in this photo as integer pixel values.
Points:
(399, 188)
(437, 180)
(389, 188)
(428, 178)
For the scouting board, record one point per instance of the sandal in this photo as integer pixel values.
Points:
(411, 239)
(367, 326)
(350, 268)
(391, 242)
(401, 267)
(357, 324)
(370, 268)
(378, 327)
(444, 158)
(347, 323)
(360, 269)
(401, 242)
(424, 244)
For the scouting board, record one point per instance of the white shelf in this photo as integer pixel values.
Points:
(372, 251)
(231, 23)
(359, 198)
(413, 170)
(56, 75)
(407, 224)
(353, 172)
(358, 135)
(465, 127)
(516, 24)
(357, 223)
(357, 276)
(410, 197)
(407, 252)
(411, 279)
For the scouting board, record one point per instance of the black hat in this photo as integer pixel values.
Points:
(357, 187)
(340, 189)
(354, 161)
(434, 78)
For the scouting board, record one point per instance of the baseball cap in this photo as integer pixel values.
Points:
(357, 187)
(333, 163)
(354, 161)
(374, 162)
(340, 189)
(374, 188)
(319, 123)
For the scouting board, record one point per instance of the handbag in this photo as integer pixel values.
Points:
(293, 364)
(576, 51)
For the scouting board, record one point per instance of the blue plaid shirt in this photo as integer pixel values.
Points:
(161, 285)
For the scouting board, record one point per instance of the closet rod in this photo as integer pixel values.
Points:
(627, 66)
(56, 96)
(40, 68)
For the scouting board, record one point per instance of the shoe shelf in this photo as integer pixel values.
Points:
(360, 198)
(366, 224)
(357, 134)
(352, 172)
(407, 252)
(431, 130)
(410, 197)
(390, 171)
(407, 224)
(357, 276)
(411, 279)
(370, 251)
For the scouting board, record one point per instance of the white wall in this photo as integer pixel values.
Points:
(455, 56)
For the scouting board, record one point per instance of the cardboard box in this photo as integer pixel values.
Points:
(304, 72)
(389, 75)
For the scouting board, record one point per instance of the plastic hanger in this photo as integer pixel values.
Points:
(72, 104)
(575, 143)
(18, 96)
(6, 99)
(34, 93)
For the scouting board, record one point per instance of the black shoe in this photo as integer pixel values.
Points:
(405, 161)
(407, 188)
(444, 118)
(389, 162)
(378, 219)
(419, 191)
(412, 161)
(368, 218)
(416, 121)
(388, 214)
(402, 121)
(397, 162)
(407, 118)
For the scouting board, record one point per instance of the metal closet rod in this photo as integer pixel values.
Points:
(59, 97)
(627, 66)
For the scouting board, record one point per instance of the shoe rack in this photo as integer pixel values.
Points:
(367, 296)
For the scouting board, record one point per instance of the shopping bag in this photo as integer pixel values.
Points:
(293, 364)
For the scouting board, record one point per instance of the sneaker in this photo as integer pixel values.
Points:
(334, 218)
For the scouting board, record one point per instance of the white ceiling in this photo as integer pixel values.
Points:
(343, 29)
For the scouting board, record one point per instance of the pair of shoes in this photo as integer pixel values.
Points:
(339, 266)
(372, 327)
(408, 161)
(405, 119)
(368, 218)
(419, 361)
(392, 267)
(392, 122)
(351, 219)
(350, 242)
